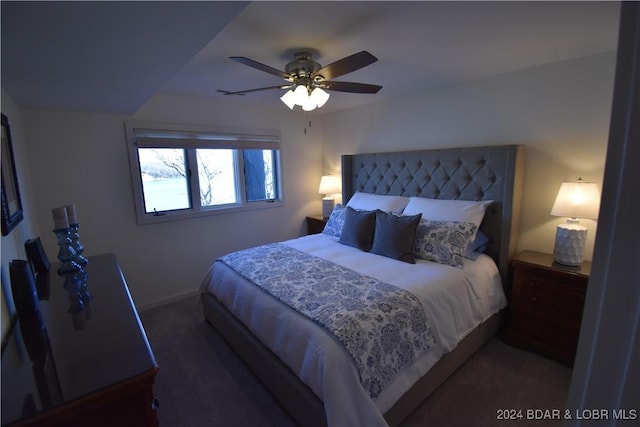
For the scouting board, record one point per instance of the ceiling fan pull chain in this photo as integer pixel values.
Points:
(305, 122)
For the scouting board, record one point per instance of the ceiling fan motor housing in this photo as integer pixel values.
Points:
(303, 66)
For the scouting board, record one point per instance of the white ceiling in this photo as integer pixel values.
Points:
(113, 56)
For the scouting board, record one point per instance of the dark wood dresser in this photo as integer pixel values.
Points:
(80, 364)
(546, 306)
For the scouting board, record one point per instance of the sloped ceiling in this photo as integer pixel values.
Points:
(113, 56)
(102, 56)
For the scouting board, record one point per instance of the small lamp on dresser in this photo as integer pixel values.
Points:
(328, 185)
(575, 200)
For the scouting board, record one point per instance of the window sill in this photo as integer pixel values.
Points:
(146, 219)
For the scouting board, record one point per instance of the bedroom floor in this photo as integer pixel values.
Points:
(202, 383)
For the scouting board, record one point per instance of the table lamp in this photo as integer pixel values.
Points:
(575, 200)
(328, 185)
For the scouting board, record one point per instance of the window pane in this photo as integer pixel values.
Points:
(164, 180)
(216, 174)
(260, 174)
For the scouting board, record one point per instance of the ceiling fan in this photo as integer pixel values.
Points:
(307, 80)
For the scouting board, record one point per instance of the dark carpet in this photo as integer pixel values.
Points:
(203, 383)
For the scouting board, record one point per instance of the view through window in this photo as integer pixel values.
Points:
(195, 172)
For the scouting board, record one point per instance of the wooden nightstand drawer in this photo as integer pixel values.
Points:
(552, 301)
(533, 327)
(533, 277)
(546, 305)
(554, 341)
(533, 293)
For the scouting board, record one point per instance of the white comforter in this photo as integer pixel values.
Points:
(456, 300)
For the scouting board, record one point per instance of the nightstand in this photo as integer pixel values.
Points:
(546, 305)
(315, 224)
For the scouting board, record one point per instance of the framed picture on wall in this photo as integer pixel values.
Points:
(11, 203)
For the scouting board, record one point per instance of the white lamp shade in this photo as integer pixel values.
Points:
(309, 105)
(319, 97)
(301, 94)
(329, 185)
(289, 99)
(577, 200)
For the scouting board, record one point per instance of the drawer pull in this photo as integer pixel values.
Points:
(155, 403)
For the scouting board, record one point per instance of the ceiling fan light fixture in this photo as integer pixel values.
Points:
(301, 95)
(308, 79)
(319, 96)
(289, 99)
(309, 105)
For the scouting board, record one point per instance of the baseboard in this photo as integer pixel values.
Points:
(168, 300)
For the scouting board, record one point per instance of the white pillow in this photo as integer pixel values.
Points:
(371, 202)
(447, 210)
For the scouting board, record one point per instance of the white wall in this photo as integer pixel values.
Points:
(560, 112)
(82, 158)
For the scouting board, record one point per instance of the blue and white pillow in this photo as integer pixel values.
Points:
(335, 222)
(444, 242)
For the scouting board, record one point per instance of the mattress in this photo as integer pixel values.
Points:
(456, 300)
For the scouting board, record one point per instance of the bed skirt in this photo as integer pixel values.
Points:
(304, 406)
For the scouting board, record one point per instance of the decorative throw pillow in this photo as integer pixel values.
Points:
(335, 222)
(371, 202)
(448, 210)
(394, 236)
(444, 242)
(358, 229)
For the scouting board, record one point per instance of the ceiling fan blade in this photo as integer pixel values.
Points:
(261, 67)
(351, 87)
(346, 65)
(242, 92)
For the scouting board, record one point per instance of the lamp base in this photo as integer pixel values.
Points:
(327, 207)
(569, 245)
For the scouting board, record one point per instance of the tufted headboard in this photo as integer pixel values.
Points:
(474, 173)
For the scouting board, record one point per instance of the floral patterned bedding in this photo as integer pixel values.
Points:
(382, 327)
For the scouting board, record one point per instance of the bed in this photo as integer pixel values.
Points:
(314, 371)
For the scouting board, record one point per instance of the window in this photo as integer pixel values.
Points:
(184, 172)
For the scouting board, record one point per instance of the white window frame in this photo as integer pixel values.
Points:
(154, 135)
